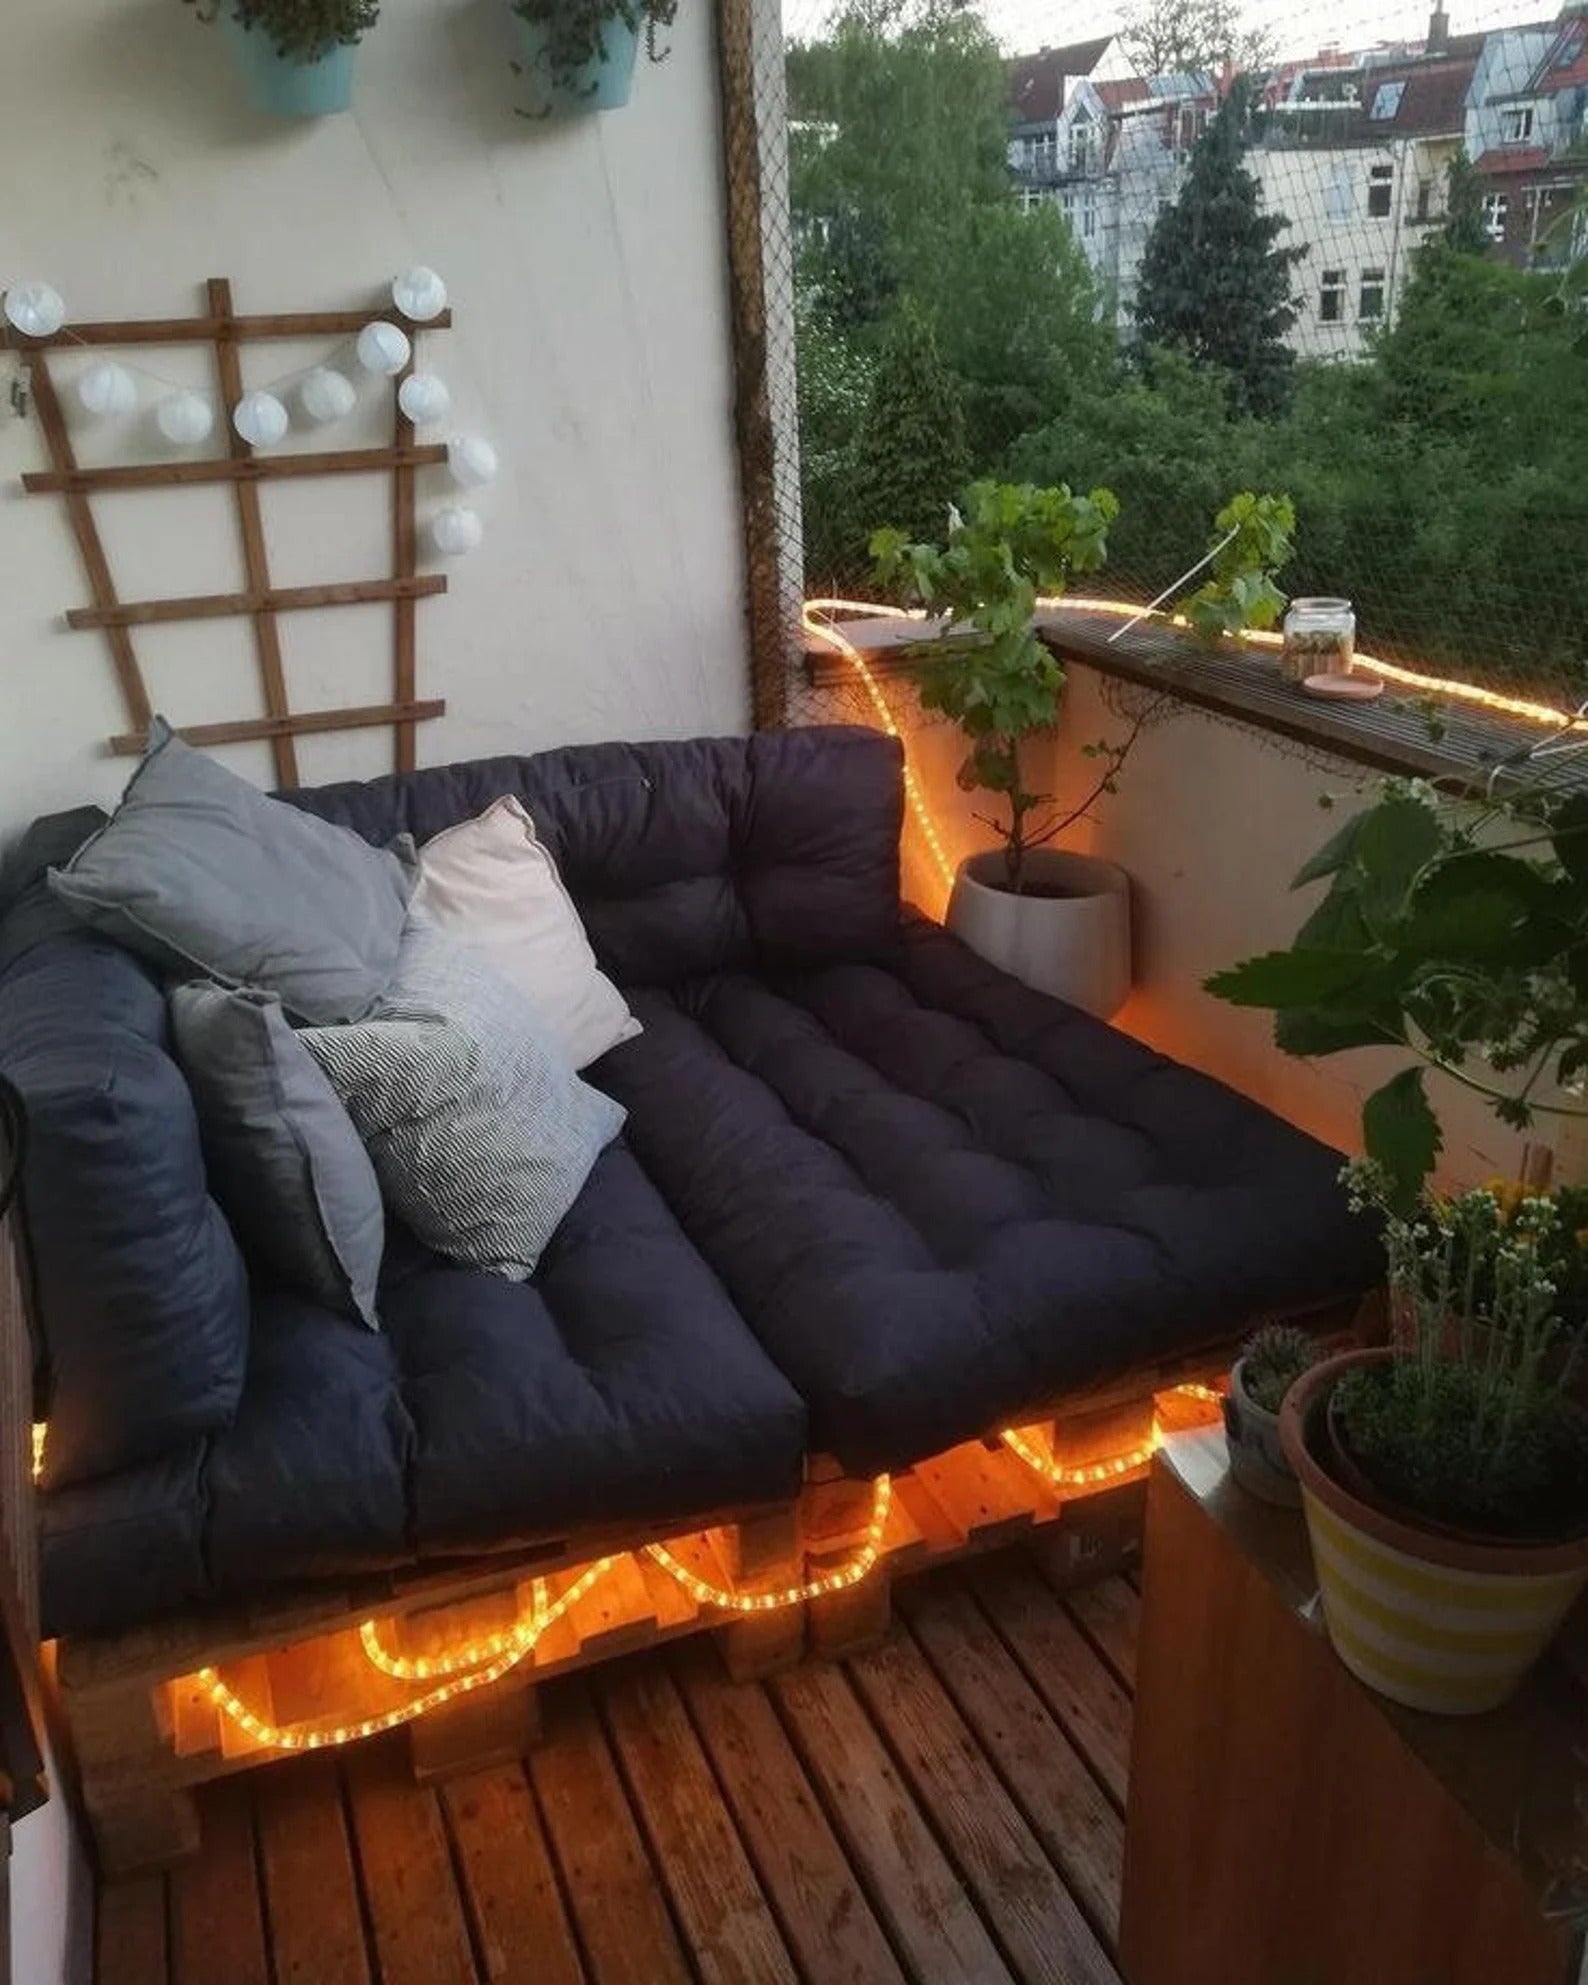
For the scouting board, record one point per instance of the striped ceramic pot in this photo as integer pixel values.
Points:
(1424, 1617)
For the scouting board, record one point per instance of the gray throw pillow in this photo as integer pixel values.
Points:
(284, 1160)
(481, 1132)
(205, 874)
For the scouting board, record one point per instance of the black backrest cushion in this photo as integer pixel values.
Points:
(141, 1291)
(706, 855)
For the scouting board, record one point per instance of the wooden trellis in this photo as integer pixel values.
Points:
(260, 602)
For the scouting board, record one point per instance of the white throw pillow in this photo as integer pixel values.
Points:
(490, 884)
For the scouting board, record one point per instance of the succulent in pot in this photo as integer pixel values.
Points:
(1271, 1361)
(296, 56)
(580, 54)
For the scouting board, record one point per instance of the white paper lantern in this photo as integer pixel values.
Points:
(383, 348)
(472, 461)
(34, 309)
(108, 388)
(260, 419)
(456, 531)
(424, 398)
(420, 294)
(185, 418)
(327, 395)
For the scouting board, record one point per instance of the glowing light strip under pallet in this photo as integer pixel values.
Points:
(490, 1659)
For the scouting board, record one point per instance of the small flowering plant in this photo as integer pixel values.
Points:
(1475, 1423)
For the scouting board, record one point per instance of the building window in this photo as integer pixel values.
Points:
(1387, 101)
(1042, 152)
(1331, 296)
(1380, 190)
(1516, 126)
(1496, 215)
(1083, 145)
(1370, 301)
(1425, 200)
(1089, 218)
(1030, 199)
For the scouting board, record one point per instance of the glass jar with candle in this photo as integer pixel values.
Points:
(1320, 638)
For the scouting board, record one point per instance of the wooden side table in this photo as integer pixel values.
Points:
(1288, 1827)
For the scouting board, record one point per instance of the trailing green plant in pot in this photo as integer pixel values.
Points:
(296, 56)
(580, 54)
(1271, 1361)
(1445, 1478)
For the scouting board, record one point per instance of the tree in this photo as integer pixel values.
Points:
(1463, 228)
(1214, 279)
(909, 459)
(1174, 37)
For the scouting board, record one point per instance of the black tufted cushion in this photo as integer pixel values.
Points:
(618, 1385)
(692, 857)
(939, 1197)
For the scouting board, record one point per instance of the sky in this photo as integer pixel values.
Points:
(1300, 27)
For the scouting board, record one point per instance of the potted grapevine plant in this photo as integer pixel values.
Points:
(580, 54)
(1057, 920)
(1271, 1361)
(1445, 1477)
(296, 56)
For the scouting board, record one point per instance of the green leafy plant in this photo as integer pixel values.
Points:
(301, 30)
(1013, 544)
(1457, 931)
(1272, 1359)
(1473, 1423)
(576, 32)
(1252, 540)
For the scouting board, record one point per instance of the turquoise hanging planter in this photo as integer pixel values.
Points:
(602, 83)
(281, 85)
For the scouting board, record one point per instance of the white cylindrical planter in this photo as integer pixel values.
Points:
(1074, 944)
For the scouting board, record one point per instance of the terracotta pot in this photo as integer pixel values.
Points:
(1429, 1617)
(1257, 1458)
(1075, 946)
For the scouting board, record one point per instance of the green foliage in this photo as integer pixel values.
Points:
(1013, 544)
(1214, 279)
(1474, 1423)
(1251, 542)
(909, 459)
(1174, 37)
(1457, 931)
(1272, 1359)
(301, 30)
(1462, 229)
(576, 29)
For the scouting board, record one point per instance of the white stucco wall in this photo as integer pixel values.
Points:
(587, 268)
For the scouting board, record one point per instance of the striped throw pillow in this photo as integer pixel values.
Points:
(479, 1130)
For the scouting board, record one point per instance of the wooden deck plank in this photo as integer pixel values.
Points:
(310, 1889)
(731, 1932)
(130, 1932)
(1110, 1613)
(931, 1920)
(1030, 1911)
(1061, 1665)
(826, 1919)
(521, 1930)
(420, 1935)
(1049, 1781)
(624, 1929)
(217, 1930)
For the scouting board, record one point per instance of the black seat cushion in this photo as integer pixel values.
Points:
(939, 1197)
(618, 1385)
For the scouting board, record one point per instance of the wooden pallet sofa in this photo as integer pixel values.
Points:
(893, 1258)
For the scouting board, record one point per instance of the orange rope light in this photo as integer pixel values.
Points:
(1526, 709)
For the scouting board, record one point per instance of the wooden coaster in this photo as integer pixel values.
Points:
(1348, 688)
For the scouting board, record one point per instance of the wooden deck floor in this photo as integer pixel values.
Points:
(945, 1809)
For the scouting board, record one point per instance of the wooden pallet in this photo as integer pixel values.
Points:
(147, 1727)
